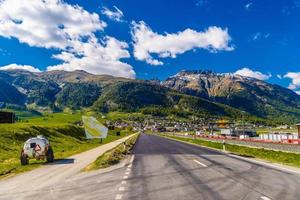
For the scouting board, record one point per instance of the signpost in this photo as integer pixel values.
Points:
(93, 128)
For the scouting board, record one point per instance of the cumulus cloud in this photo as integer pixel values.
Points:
(146, 42)
(253, 74)
(115, 15)
(248, 6)
(256, 36)
(295, 76)
(54, 24)
(19, 67)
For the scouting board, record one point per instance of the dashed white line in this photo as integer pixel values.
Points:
(119, 196)
(265, 198)
(200, 163)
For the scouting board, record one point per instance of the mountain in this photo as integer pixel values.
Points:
(54, 89)
(186, 94)
(155, 99)
(57, 90)
(249, 94)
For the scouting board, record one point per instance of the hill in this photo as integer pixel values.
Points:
(251, 95)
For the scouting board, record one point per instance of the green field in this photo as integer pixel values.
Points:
(65, 137)
(291, 159)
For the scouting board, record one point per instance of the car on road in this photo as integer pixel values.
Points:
(36, 147)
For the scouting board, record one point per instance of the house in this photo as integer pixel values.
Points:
(7, 117)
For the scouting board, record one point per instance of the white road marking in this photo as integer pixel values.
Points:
(119, 196)
(265, 198)
(121, 188)
(128, 169)
(127, 173)
(129, 166)
(200, 163)
(123, 182)
(125, 177)
(132, 158)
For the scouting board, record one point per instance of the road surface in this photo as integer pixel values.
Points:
(164, 169)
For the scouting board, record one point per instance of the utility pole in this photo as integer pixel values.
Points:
(243, 112)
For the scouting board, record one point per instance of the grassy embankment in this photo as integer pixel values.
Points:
(291, 159)
(65, 137)
(114, 155)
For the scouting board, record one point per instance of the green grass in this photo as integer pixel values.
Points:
(113, 156)
(65, 137)
(291, 159)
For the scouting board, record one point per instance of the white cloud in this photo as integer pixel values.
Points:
(54, 24)
(147, 42)
(295, 76)
(115, 14)
(19, 67)
(248, 6)
(201, 3)
(256, 36)
(253, 74)
(297, 92)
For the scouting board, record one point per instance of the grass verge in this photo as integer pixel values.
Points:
(291, 159)
(113, 156)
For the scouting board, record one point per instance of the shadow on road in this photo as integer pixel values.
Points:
(61, 161)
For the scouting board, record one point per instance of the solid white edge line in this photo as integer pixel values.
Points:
(200, 163)
(265, 198)
(121, 188)
(266, 164)
(125, 177)
(132, 158)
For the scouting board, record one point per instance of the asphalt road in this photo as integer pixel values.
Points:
(166, 169)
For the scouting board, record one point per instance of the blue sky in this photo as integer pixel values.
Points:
(157, 38)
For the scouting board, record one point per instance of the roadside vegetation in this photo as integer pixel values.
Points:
(66, 138)
(291, 159)
(113, 156)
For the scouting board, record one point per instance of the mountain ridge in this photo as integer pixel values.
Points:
(202, 90)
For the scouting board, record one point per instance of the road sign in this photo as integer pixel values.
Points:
(93, 128)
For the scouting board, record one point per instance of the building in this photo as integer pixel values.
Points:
(7, 117)
(278, 136)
